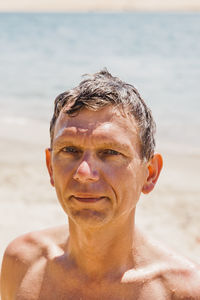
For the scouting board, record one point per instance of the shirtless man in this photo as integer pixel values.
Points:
(101, 159)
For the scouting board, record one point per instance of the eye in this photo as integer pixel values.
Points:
(110, 152)
(70, 149)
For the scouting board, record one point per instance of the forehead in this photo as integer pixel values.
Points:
(107, 123)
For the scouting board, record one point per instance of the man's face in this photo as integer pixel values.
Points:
(95, 165)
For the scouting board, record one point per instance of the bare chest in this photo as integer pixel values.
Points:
(55, 283)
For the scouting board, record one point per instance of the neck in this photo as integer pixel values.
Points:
(103, 252)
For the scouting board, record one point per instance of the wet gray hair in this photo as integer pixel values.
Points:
(102, 89)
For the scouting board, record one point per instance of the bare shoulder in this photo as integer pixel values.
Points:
(26, 251)
(180, 276)
(29, 247)
(174, 275)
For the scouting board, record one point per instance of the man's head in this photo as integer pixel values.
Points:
(102, 151)
(100, 90)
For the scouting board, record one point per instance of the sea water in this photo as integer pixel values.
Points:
(44, 54)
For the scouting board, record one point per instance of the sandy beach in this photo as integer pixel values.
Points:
(28, 202)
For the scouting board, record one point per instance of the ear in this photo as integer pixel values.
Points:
(49, 165)
(154, 167)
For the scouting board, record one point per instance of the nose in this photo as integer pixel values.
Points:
(86, 173)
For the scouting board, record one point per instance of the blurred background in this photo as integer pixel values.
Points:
(45, 47)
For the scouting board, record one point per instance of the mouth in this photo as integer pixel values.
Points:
(88, 199)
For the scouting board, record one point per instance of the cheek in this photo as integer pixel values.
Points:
(128, 182)
(62, 170)
(136, 176)
(112, 174)
(124, 173)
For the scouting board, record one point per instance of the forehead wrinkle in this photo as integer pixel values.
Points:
(75, 136)
(66, 128)
(76, 121)
(71, 132)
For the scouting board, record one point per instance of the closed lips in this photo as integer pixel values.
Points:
(88, 198)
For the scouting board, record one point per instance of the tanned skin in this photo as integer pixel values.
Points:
(96, 168)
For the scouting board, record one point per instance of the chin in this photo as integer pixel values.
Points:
(89, 217)
(86, 214)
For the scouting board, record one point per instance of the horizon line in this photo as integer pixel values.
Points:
(170, 10)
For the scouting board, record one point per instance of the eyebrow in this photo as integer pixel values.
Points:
(101, 142)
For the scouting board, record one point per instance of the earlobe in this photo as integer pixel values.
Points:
(48, 164)
(154, 169)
